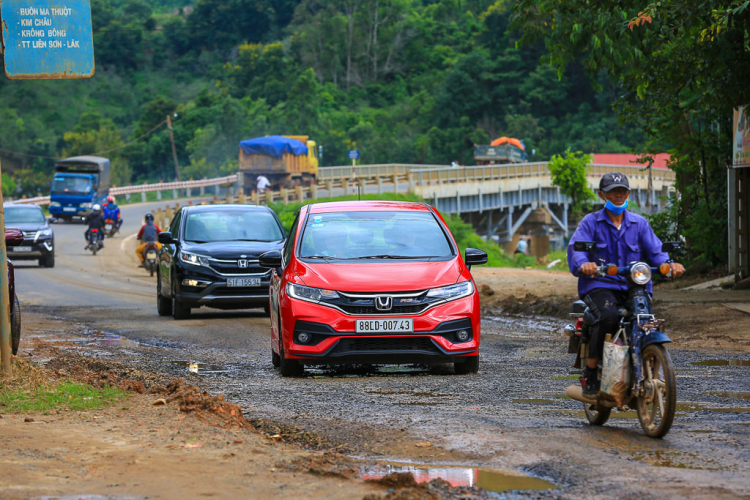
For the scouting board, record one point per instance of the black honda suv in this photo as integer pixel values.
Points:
(210, 256)
(38, 240)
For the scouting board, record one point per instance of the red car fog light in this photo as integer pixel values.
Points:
(462, 335)
(303, 338)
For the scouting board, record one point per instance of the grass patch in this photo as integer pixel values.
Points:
(32, 391)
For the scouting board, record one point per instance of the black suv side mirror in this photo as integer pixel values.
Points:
(671, 246)
(584, 246)
(165, 238)
(475, 257)
(271, 259)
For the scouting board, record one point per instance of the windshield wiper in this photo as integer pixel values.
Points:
(389, 256)
(197, 241)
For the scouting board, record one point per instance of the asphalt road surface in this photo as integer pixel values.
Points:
(512, 415)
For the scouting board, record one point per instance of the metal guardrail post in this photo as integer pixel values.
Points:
(314, 191)
(143, 196)
(300, 193)
(394, 178)
(345, 183)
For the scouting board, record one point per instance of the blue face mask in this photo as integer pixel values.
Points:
(614, 209)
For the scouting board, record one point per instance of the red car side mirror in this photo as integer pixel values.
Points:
(13, 237)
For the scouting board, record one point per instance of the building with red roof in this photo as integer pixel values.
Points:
(660, 160)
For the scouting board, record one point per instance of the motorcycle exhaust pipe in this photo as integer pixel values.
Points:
(576, 392)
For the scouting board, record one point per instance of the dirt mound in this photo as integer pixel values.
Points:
(555, 306)
(326, 465)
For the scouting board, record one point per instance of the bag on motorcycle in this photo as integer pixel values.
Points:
(615, 371)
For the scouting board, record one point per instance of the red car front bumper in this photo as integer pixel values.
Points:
(334, 338)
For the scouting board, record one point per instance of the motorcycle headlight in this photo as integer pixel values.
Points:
(54, 203)
(640, 273)
(452, 292)
(310, 294)
(191, 258)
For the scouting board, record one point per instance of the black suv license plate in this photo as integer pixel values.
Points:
(243, 281)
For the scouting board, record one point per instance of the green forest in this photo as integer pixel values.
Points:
(415, 81)
(412, 81)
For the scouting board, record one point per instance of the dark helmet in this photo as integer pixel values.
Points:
(149, 216)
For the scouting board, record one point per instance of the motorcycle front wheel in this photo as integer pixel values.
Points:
(657, 406)
(595, 414)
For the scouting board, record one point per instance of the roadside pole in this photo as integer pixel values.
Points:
(5, 347)
(174, 149)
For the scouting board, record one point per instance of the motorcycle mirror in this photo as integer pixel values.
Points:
(583, 246)
(671, 246)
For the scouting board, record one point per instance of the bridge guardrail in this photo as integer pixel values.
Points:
(145, 188)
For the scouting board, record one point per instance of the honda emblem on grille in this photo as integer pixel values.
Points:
(383, 303)
(242, 263)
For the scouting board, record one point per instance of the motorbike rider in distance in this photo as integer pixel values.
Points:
(147, 234)
(621, 237)
(112, 211)
(94, 220)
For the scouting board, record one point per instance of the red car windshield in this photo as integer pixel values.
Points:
(374, 235)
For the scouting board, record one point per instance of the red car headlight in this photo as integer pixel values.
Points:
(310, 294)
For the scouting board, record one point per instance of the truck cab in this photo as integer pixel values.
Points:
(79, 183)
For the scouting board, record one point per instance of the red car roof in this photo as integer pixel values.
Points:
(369, 205)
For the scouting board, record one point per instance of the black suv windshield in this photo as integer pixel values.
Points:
(23, 214)
(231, 225)
(374, 235)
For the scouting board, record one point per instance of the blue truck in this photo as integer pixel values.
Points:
(79, 183)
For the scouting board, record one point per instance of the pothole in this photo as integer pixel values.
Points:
(486, 479)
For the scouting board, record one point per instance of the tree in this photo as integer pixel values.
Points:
(569, 174)
(683, 65)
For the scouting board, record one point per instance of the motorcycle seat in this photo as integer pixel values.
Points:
(579, 307)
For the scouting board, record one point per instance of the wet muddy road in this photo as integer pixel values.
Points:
(510, 418)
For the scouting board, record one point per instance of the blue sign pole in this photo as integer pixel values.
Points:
(47, 39)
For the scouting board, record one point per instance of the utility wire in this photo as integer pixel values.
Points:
(90, 154)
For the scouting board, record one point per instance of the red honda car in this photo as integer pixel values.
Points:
(372, 282)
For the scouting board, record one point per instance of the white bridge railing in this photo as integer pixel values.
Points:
(145, 188)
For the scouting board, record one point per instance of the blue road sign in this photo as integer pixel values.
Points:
(47, 39)
(354, 154)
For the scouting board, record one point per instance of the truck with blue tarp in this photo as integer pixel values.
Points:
(285, 160)
(79, 183)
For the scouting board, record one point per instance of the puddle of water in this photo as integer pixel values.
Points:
(680, 409)
(730, 394)
(199, 368)
(463, 477)
(722, 362)
(536, 352)
(107, 339)
(677, 460)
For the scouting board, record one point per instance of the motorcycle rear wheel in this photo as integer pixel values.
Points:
(656, 409)
(595, 414)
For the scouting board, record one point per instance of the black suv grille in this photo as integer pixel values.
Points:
(404, 344)
(233, 268)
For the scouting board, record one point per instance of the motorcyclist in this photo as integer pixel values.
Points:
(621, 237)
(94, 220)
(147, 234)
(112, 211)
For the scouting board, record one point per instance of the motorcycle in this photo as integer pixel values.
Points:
(95, 241)
(149, 257)
(110, 228)
(649, 384)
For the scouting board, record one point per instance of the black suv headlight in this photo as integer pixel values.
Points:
(193, 259)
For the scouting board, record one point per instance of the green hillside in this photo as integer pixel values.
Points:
(400, 80)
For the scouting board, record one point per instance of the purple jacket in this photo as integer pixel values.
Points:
(634, 241)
